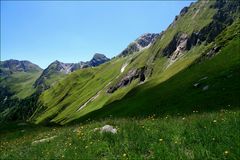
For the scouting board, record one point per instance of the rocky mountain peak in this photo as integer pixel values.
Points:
(58, 67)
(98, 59)
(144, 41)
(56, 62)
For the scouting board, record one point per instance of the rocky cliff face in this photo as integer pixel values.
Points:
(140, 43)
(133, 74)
(11, 66)
(226, 12)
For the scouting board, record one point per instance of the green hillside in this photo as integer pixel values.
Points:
(169, 75)
(206, 85)
(16, 89)
(178, 98)
(20, 83)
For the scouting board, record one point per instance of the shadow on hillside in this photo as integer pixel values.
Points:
(193, 89)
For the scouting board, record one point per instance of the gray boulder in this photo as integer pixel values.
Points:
(108, 129)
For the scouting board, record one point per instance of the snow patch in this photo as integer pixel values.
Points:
(123, 67)
(90, 100)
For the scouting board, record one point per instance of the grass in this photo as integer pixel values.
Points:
(21, 83)
(60, 103)
(200, 135)
(197, 17)
(187, 110)
(162, 92)
(178, 93)
(53, 78)
(76, 89)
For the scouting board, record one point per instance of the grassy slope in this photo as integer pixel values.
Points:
(179, 122)
(197, 136)
(54, 78)
(188, 133)
(62, 105)
(76, 89)
(21, 83)
(178, 93)
(199, 15)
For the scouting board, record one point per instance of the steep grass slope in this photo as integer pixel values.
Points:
(20, 83)
(17, 78)
(204, 86)
(178, 99)
(85, 91)
(16, 85)
(72, 93)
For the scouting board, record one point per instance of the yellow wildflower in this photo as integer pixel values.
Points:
(226, 152)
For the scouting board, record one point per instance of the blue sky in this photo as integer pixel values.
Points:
(72, 31)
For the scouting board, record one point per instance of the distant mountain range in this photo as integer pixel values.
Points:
(58, 70)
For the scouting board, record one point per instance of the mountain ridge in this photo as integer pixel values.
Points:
(60, 69)
(174, 97)
(12, 65)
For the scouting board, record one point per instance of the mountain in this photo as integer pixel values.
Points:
(58, 70)
(10, 66)
(182, 69)
(22, 81)
(16, 83)
(53, 72)
(144, 41)
(178, 98)
(17, 77)
(97, 60)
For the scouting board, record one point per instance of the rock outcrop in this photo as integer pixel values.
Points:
(184, 11)
(106, 129)
(128, 78)
(176, 46)
(140, 43)
(180, 43)
(222, 18)
(43, 140)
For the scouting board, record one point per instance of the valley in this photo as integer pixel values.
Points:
(167, 95)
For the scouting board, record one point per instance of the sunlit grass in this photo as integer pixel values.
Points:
(196, 136)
